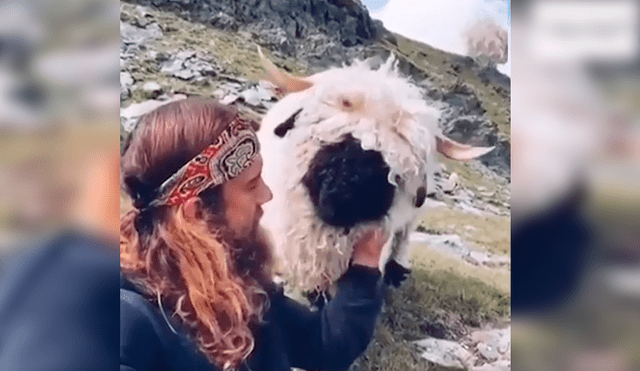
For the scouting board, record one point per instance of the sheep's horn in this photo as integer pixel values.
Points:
(283, 80)
(458, 151)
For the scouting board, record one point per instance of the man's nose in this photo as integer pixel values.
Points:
(267, 195)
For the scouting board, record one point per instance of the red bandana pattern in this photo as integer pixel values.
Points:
(232, 152)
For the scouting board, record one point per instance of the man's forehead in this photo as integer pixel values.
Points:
(252, 171)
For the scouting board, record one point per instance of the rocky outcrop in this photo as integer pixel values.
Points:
(345, 20)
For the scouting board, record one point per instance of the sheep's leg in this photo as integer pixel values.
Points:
(318, 299)
(387, 252)
(402, 252)
(394, 272)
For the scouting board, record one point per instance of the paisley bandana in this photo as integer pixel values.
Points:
(232, 152)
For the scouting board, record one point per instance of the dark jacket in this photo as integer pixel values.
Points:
(59, 305)
(294, 336)
(549, 253)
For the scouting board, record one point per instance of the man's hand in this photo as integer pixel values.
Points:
(369, 247)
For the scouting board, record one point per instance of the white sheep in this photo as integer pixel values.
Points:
(381, 114)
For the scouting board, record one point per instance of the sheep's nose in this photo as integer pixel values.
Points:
(421, 195)
(349, 185)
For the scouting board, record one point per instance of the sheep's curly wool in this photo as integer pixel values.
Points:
(381, 113)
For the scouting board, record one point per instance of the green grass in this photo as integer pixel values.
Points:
(425, 257)
(489, 231)
(430, 303)
(446, 293)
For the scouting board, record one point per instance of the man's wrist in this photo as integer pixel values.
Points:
(366, 262)
(358, 270)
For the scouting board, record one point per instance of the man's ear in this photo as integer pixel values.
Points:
(193, 208)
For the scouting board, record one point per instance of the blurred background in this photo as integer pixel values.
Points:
(58, 107)
(576, 185)
(59, 177)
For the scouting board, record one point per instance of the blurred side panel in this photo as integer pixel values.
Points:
(576, 185)
(59, 166)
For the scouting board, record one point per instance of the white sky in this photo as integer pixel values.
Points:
(439, 23)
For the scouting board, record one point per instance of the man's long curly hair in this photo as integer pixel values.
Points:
(215, 284)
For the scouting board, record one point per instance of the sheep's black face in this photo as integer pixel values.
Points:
(349, 185)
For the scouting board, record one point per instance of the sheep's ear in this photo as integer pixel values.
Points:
(458, 151)
(281, 79)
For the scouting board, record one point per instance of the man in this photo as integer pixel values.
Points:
(197, 291)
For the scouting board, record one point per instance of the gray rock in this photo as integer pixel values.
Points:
(497, 366)
(256, 96)
(126, 81)
(494, 346)
(449, 243)
(186, 65)
(268, 105)
(489, 348)
(135, 39)
(435, 94)
(237, 80)
(493, 76)
(229, 99)
(451, 184)
(162, 57)
(461, 87)
(172, 65)
(464, 104)
(152, 90)
(130, 34)
(265, 93)
(488, 352)
(200, 67)
(497, 339)
(251, 97)
(224, 22)
(185, 74)
(137, 15)
(277, 38)
(444, 352)
(125, 93)
(129, 115)
(185, 54)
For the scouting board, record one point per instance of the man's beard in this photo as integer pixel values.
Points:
(251, 255)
